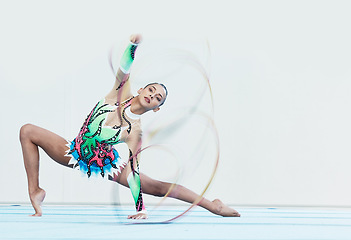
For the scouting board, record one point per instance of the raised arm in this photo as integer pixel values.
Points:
(121, 88)
(133, 177)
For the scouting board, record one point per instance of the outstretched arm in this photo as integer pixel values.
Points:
(133, 176)
(121, 88)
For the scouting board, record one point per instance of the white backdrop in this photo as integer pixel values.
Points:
(281, 78)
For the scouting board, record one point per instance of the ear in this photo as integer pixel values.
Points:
(139, 91)
(156, 109)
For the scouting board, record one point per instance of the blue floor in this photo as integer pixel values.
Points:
(108, 222)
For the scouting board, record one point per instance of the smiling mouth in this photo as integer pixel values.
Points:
(147, 99)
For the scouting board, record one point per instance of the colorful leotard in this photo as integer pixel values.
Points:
(92, 150)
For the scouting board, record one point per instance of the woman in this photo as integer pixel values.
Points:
(114, 119)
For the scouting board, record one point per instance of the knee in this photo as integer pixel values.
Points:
(26, 132)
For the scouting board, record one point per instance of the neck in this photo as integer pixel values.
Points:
(136, 107)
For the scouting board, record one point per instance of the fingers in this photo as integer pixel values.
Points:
(136, 38)
(138, 216)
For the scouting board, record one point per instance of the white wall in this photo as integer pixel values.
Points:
(280, 72)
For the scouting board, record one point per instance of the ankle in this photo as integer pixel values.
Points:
(34, 190)
(217, 206)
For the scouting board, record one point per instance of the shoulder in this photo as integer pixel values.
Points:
(113, 100)
(136, 128)
(119, 93)
(134, 138)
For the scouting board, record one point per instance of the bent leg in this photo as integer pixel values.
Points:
(158, 188)
(31, 138)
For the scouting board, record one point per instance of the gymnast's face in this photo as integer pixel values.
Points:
(152, 96)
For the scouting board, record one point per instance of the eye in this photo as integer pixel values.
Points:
(158, 99)
(150, 89)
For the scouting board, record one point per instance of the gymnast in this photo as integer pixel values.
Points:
(113, 120)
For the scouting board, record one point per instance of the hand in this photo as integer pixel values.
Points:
(140, 215)
(136, 38)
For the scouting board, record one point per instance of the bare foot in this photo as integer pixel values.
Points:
(36, 198)
(223, 210)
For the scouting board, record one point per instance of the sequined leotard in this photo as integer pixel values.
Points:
(92, 149)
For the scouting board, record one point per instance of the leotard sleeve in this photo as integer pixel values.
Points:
(134, 144)
(121, 89)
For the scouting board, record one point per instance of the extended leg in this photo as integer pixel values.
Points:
(157, 188)
(31, 138)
